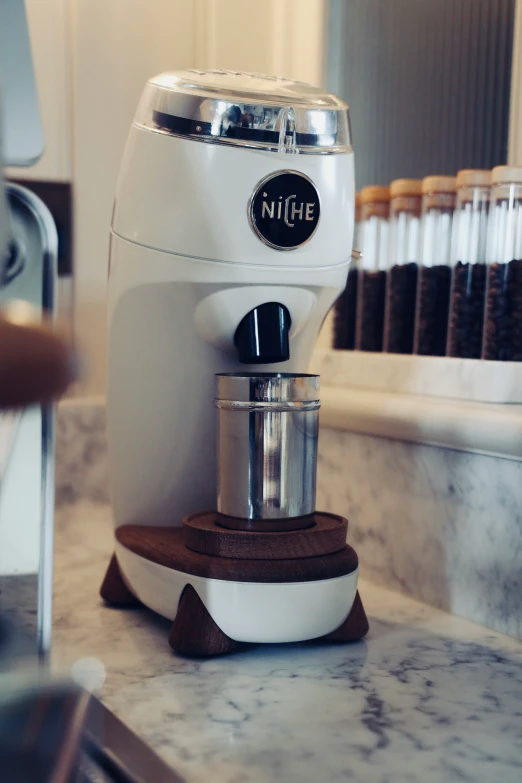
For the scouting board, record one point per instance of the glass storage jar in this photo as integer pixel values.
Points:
(503, 311)
(375, 207)
(468, 285)
(434, 280)
(403, 254)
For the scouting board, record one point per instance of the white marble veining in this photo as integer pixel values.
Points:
(441, 525)
(426, 698)
(81, 451)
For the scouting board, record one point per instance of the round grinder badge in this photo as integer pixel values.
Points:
(284, 210)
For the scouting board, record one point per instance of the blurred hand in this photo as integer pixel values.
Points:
(36, 364)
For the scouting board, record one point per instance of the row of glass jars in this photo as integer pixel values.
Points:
(441, 268)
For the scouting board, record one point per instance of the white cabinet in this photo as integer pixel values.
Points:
(117, 45)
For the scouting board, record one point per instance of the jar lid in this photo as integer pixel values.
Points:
(506, 175)
(474, 178)
(245, 109)
(406, 187)
(438, 184)
(375, 194)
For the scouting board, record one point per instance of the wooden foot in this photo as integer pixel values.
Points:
(114, 591)
(354, 627)
(194, 632)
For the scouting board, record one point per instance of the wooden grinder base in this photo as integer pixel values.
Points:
(203, 547)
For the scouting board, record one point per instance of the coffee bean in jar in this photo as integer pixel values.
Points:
(403, 250)
(434, 281)
(468, 290)
(503, 309)
(400, 300)
(375, 204)
(346, 305)
(344, 314)
(371, 319)
(433, 293)
(466, 322)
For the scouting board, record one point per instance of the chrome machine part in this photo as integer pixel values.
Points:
(27, 477)
(5, 221)
(252, 110)
(54, 730)
(267, 444)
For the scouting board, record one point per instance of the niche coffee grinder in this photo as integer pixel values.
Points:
(231, 239)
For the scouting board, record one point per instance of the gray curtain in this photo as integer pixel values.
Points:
(427, 82)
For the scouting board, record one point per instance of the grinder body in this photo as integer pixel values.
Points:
(188, 263)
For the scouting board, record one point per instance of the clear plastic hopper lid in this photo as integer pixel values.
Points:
(245, 109)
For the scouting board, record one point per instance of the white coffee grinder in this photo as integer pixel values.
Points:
(231, 239)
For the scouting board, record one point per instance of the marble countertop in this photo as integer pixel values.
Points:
(427, 697)
(451, 403)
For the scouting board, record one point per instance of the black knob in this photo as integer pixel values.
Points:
(262, 335)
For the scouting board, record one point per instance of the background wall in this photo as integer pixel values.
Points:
(116, 46)
(92, 59)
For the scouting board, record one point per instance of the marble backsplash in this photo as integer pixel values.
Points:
(81, 452)
(440, 525)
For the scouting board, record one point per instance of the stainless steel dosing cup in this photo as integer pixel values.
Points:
(267, 444)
